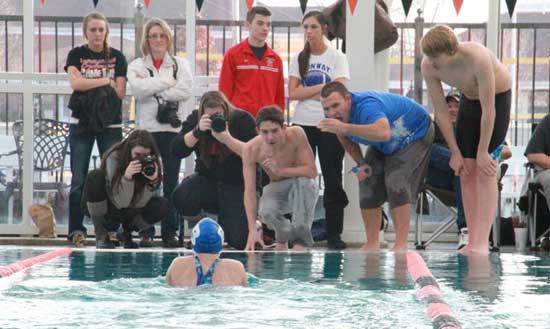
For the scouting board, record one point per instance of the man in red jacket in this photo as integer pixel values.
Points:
(252, 73)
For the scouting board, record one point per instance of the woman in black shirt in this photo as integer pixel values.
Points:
(217, 185)
(97, 73)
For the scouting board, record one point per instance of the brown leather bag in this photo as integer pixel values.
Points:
(385, 32)
(43, 217)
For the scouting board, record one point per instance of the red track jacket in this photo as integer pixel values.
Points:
(249, 83)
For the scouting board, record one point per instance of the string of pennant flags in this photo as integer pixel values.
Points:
(510, 4)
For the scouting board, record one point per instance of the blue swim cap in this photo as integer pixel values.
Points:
(207, 237)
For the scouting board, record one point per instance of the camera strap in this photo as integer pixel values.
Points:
(174, 74)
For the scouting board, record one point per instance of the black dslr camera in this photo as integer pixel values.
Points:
(218, 122)
(168, 113)
(147, 164)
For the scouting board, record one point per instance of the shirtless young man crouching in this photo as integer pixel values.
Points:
(285, 155)
(481, 126)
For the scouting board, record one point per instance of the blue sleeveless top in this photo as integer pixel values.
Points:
(205, 278)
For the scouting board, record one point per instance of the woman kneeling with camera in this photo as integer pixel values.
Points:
(122, 190)
(217, 133)
(161, 85)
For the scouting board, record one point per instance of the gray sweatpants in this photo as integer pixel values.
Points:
(296, 196)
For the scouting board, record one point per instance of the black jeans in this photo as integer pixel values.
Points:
(170, 173)
(80, 147)
(197, 193)
(96, 191)
(331, 158)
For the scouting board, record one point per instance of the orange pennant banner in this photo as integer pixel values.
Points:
(249, 4)
(352, 5)
(458, 5)
(147, 3)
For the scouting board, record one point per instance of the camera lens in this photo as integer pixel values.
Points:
(218, 122)
(149, 169)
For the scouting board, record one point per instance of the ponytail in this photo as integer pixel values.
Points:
(303, 60)
(305, 54)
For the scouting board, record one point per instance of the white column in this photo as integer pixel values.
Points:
(190, 38)
(360, 55)
(382, 63)
(493, 26)
(28, 68)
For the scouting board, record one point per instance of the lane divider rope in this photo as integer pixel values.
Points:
(438, 310)
(26, 263)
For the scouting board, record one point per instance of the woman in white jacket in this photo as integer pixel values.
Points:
(161, 85)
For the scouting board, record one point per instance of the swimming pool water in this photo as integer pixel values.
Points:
(92, 289)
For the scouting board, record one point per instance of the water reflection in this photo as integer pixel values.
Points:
(100, 266)
(483, 274)
(361, 270)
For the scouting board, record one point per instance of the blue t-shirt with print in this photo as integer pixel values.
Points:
(408, 120)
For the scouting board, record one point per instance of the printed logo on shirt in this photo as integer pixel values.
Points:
(96, 68)
(317, 74)
(400, 134)
(270, 61)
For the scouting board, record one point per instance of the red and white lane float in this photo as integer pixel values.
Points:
(26, 263)
(429, 292)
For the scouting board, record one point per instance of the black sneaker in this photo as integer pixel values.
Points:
(127, 242)
(146, 241)
(336, 243)
(113, 237)
(171, 243)
(104, 244)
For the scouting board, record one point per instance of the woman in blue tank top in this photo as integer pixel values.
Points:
(206, 267)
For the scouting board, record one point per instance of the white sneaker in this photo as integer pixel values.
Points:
(462, 238)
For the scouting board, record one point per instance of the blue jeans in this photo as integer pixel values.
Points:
(170, 173)
(80, 147)
(440, 175)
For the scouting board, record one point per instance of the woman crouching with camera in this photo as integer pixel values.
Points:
(216, 132)
(161, 84)
(121, 192)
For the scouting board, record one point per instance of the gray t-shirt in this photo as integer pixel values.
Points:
(540, 141)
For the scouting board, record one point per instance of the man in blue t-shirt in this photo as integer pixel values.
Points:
(399, 134)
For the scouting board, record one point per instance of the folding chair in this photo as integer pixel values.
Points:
(496, 224)
(534, 192)
(446, 198)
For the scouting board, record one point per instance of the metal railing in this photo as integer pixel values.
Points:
(524, 47)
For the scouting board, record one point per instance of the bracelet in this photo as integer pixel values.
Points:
(196, 132)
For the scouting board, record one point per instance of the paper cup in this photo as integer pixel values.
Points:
(520, 234)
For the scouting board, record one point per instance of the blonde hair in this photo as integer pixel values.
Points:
(440, 39)
(101, 17)
(145, 36)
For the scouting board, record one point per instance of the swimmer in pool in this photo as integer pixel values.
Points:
(206, 266)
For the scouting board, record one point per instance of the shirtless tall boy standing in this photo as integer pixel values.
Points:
(285, 155)
(482, 121)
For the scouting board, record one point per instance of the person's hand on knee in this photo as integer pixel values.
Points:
(486, 164)
(457, 164)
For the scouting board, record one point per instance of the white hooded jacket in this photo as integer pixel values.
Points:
(144, 87)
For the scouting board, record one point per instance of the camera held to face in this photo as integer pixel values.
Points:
(218, 122)
(168, 113)
(147, 162)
